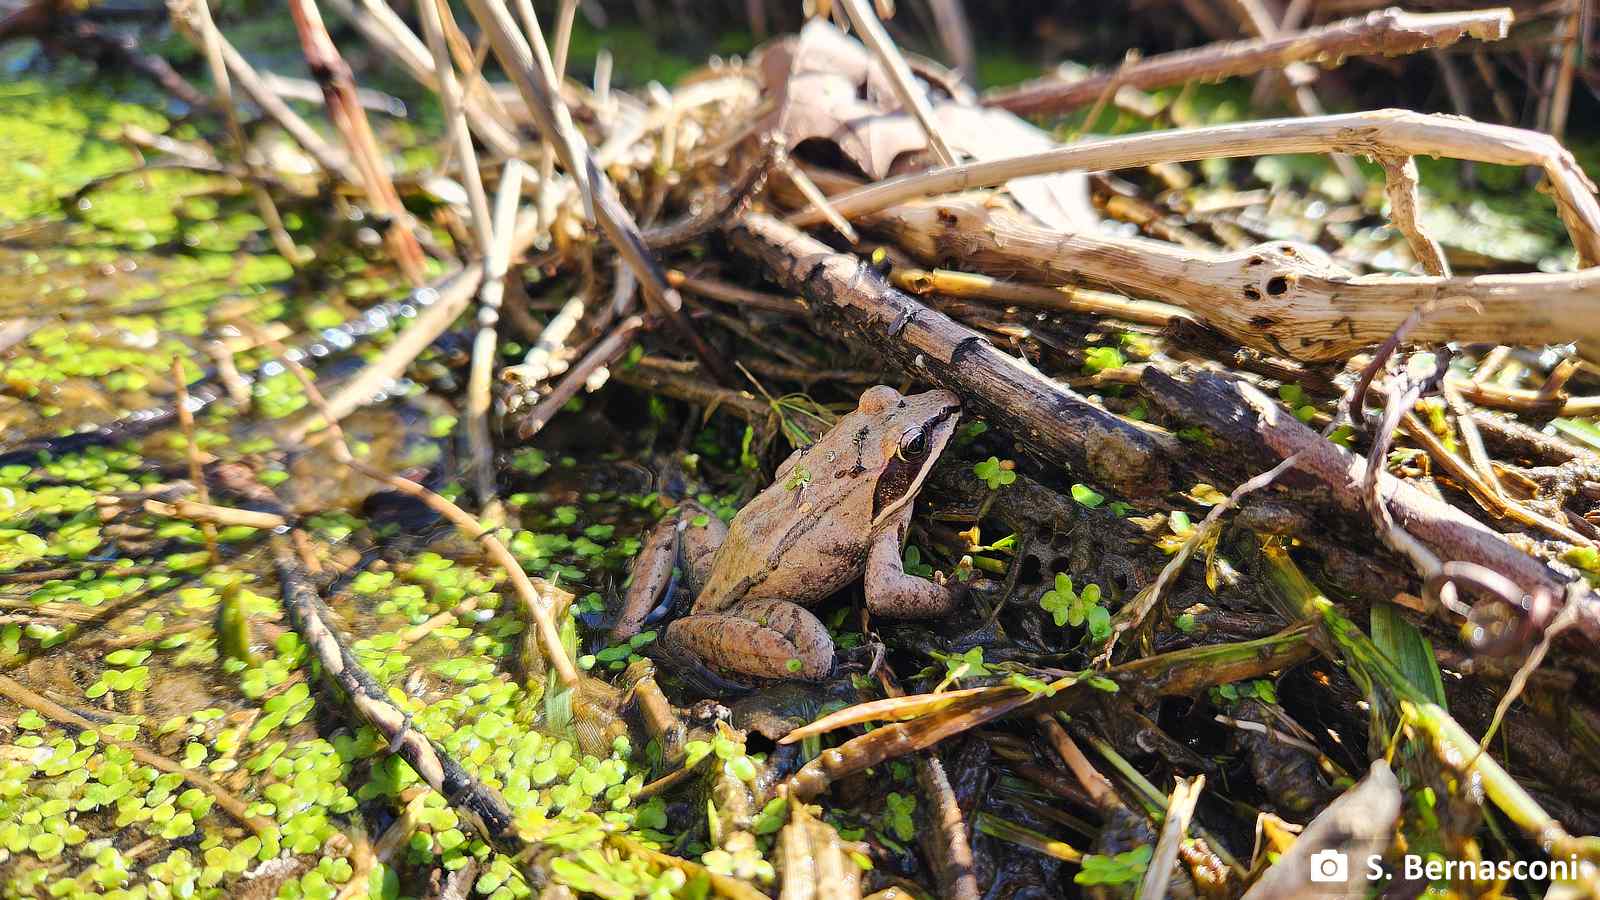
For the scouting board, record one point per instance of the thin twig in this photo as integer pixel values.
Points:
(536, 83)
(532, 601)
(192, 454)
(1390, 32)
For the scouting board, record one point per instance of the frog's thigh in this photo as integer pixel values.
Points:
(648, 577)
(703, 532)
(675, 537)
(891, 592)
(763, 638)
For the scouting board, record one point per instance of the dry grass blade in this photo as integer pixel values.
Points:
(344, 107)
(1180, 809)
(897, 708)
(535, 83)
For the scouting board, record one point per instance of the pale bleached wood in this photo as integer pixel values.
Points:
(1280, 297)
(1391, 133)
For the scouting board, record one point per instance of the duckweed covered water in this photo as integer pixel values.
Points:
(113, 613)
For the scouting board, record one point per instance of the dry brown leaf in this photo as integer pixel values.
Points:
(827, 86)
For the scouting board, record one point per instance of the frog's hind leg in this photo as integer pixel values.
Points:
(764, 638)
(894, 593)
(690, 537)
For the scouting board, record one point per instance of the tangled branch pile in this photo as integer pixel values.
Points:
(830, 214)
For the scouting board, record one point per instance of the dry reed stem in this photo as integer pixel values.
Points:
(344, 108)
(1082, 301)
(386, 31)
(1389, 32)
(479, 442)
(535, 80)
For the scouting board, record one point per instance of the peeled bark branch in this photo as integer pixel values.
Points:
(1008, 391)
(1390, 32)
(1282, 298)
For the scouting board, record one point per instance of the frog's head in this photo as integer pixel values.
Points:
(908, 434)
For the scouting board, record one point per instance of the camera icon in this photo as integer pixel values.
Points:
(1328, 866)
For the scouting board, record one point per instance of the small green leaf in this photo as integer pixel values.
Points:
(1087, 496)
(995, 473)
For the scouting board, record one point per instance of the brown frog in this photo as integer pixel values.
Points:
(837, 511)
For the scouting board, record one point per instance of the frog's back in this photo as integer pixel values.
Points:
(801, 539)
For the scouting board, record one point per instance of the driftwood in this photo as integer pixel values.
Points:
(1281, 297)
(930, 346)
(1389, 32)
(1277, 297)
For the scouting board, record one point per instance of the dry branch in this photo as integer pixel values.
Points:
(1281, 298)
(1390, 32)
(930, 345)
(1254, 424)
(1389, 132)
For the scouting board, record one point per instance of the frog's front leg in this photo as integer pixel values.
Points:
(689, 537)
(764, 638)
(892, 592)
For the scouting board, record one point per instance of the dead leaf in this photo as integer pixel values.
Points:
(828, 86)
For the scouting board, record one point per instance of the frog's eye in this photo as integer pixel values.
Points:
(913, 446)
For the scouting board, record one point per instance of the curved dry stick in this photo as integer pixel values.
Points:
(1381, 133)
(1390, 32)
(533, 602)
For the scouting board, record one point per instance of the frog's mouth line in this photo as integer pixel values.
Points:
(900, 476)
